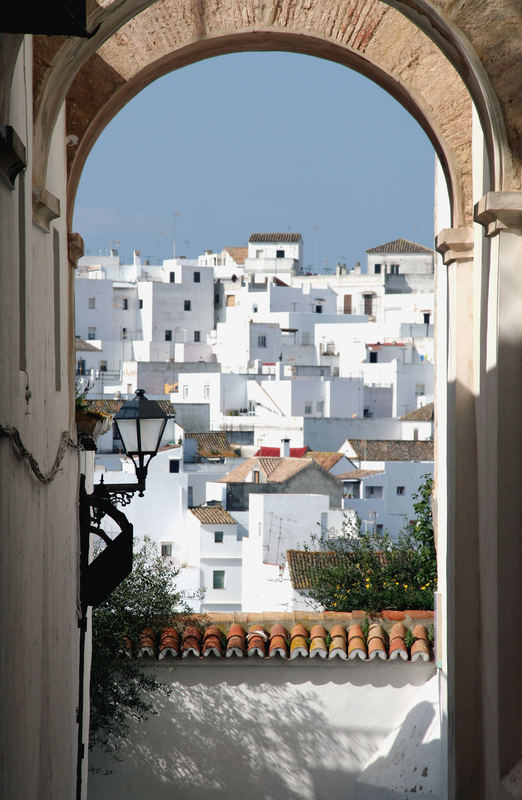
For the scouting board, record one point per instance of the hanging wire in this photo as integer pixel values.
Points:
(65, 442)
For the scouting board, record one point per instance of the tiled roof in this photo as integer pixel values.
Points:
(400, 246)
(303, 565)
(213, 445)
(82, 345)
(238, 254)
(276, 470)
(274, 238)
(358, 474)
(275, 452)
(423, 414)
(108, 406)
(325, 459)
(324, 636)
(392, 450)
(213, 515)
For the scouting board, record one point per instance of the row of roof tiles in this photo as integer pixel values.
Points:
(340, 640)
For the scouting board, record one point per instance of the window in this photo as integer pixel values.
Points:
(426, 317)
(255, 309)
(218, 537)
(318, 309)
(320, 406)
(230, 300)
(103, 366)
(168, 336)
(368, 304)
(400, 490)
(197, 336)
(218, 579)
(190, 496)
(419, 388)
(394, 269)
(373, 491)
(140, 303)
(378, 268)
(186, 305)
(166, 549)
(125, 304)
(91, 333)
(80, 367)
(260, 253)
(373, 356)
(91, 303)
(347, 309)
(308, 407)
(197, 277)
(172, 277)
(124, 333)
(173, 465)
(206, 390)
(261, 341)
(185, 391)
(280, 253)
(379, 528)
(255, 476)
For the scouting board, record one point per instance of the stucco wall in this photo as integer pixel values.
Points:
(278, 730)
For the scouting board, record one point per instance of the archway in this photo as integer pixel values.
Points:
(481, 389)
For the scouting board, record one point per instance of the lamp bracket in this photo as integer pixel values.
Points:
(111, 566)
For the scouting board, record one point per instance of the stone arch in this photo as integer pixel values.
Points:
(420, 55)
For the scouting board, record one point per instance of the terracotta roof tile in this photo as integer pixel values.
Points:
(147, 643)
(423, 414)
(376, 642)
(298, 641)
(318, 636)
(275, 470)
(343, 631)
(213, 515)
(358, 474)
(238, 254)
(111, 407)
(398, 647)
(392, 449)
(278, 641)
(212, 641)
(274, 238)
(256, 641)
(325, 459)
(400, 246)
(213, 445)
(169, 643)
(236, 641)
(356, 642)
(191, 641)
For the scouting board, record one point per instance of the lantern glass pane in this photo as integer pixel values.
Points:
(151, 430)
(129, 434)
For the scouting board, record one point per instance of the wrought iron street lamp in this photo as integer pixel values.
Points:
(141, 424)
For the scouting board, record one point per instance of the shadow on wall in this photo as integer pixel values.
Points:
(280, 733)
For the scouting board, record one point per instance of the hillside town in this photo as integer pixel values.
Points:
(300, 400)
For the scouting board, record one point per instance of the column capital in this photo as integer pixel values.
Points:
(76, 247)
(455, 244)
(46, 207)
(499, 211)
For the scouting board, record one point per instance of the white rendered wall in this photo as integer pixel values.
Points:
(277, 730)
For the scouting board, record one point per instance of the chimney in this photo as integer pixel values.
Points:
(286, 447)
(136, 260)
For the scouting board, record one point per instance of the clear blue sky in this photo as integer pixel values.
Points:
(258, 142)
